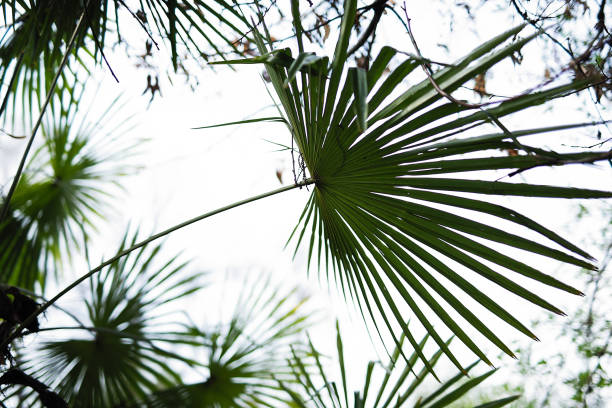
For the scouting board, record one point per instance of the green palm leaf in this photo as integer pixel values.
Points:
(36, 34)
(124, 353)
(380, 163)
(66, 187)
(247, 354)
(390, 386)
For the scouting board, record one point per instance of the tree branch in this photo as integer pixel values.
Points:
(378, 6)
(550, 161)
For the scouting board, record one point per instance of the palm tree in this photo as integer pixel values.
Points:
(123, 348)
(385, 219)
(248, 352)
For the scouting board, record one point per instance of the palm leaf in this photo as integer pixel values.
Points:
(389, 386)
(36, 34)
(380, 163)
(247, 353)
(66, 187)
(124, 353)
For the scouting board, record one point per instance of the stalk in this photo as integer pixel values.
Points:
(7, 200)
(140, 244)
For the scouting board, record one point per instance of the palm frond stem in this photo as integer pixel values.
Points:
(141, 244)
(5, 205)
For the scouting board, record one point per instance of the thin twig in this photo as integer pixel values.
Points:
(548, 161)
(101, 48)
(295, 177)
(314, 28)
(261, 19)
(378, 6)
(144, 27)
(8, 197)
(11, 135)
(534, 22)
(323, 23)
(425, 60)
(429, 73)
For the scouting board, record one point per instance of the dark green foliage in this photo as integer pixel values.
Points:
(381, 162)
(391, 384)
(124, 353)
(66, 187)
(246, 355)
(36, 34)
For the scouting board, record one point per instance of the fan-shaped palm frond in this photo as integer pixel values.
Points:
(391, 386)
(124, 353)
(384, 213)
(247, 354)
(36, 34)
(64, 189)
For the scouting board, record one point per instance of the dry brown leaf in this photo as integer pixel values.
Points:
(362, 62)
(480, 85)
(327, 31)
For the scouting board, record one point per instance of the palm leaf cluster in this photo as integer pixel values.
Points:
(130, 353)
(36, 34)
(246, 355)
(391, 385)
(383, 217)
(66, 187)
(125, 350)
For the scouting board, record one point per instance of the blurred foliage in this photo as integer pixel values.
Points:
(247, 352)
(36, 33)
(125, 348)
(67, 187)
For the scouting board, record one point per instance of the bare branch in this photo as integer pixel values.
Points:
(549, 161)
(378, 6)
